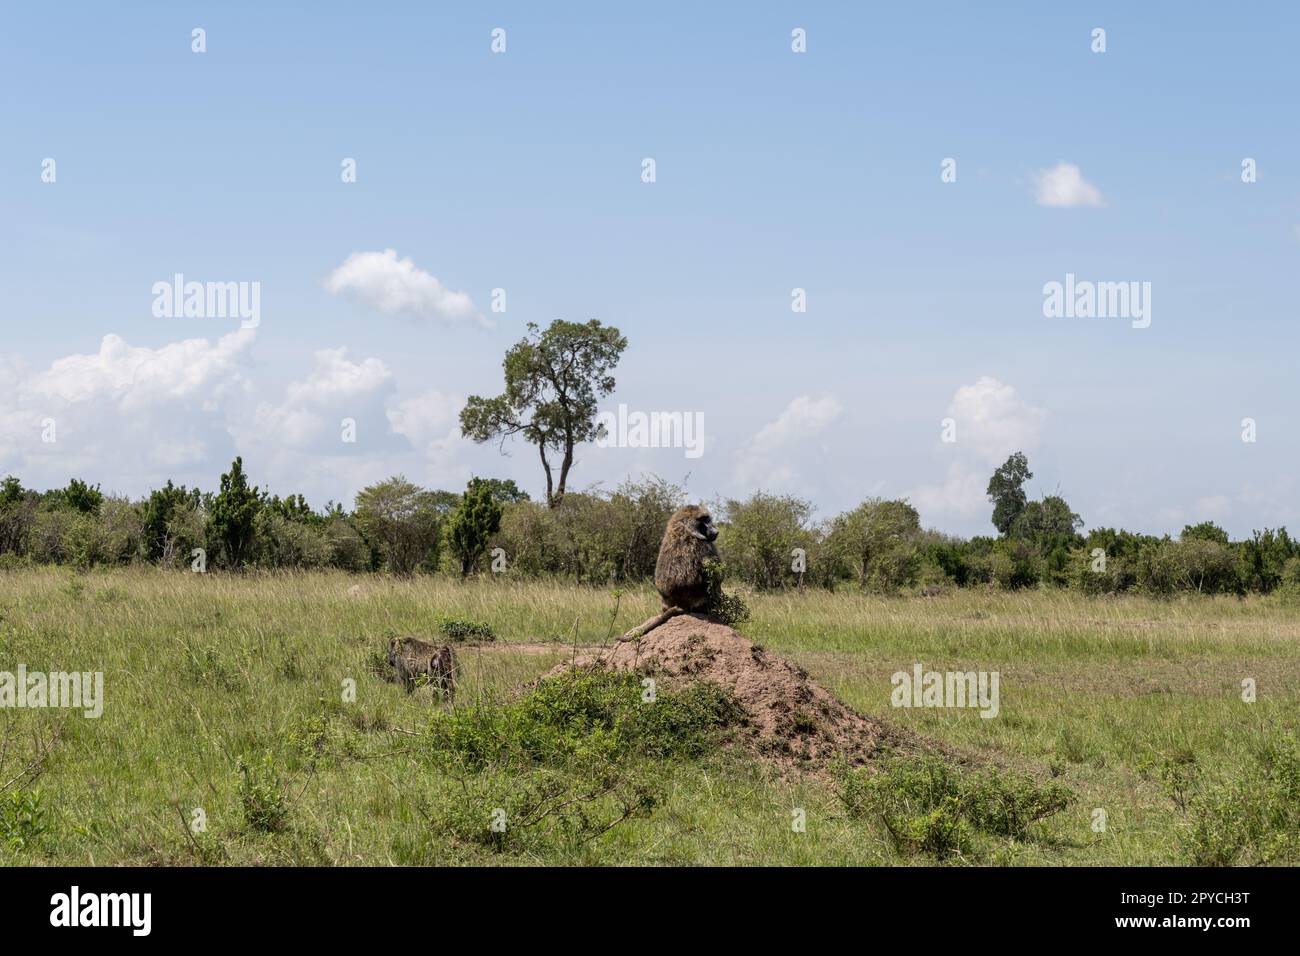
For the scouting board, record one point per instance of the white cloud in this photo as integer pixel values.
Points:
(767, 459)
(432, 417)
(131, 417)
(961, 493)
(397, 287)
(135, 376)
(314, 408)
(992, 422)
(334, 377)
(123, 413)
(1064, 186)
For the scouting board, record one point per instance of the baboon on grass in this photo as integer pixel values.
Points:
(420, 661)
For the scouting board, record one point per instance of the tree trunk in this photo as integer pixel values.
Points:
(546, 465)
(565, 465)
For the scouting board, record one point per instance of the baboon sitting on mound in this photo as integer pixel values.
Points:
(679, 573)
(416, 660)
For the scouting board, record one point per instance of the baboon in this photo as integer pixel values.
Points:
(679, 572)
(413, 659)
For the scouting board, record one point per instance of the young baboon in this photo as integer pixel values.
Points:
(679, 572)
(413, 659)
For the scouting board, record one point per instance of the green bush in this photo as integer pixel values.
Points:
(1006, 804)
(877, 544)
(584, 714)
(730, 609)
(23, 820)
(1013, 564)
(759, 534)
(461, 629)
(262, 795)
(929, 805)
(578, 755)
(473, 524)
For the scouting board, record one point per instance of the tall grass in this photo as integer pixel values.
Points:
(204, 673)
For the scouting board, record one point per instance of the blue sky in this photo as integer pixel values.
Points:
(774, 170)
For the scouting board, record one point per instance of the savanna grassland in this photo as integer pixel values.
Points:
(225, 693)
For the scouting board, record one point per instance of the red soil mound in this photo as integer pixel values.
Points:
(790, 718)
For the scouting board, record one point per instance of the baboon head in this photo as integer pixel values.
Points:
(697, 522)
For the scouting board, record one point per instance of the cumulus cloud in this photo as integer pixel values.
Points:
(768, 459)
(430, 420)
(335, 377)
(398, 287)
(991, 422)
(130, 417)
(314, 407)
(960, 493)
(1064, 186)
(135, 376)
(141, 409)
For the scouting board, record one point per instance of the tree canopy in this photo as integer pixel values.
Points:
(553, 379)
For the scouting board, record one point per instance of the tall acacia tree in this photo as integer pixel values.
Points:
(553, 380)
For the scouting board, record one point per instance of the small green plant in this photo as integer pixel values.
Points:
(727, 608)
(318, 737)
(803, 722)
(23, 820)
(1007, 803)
(376, 664)
(1179, 774)
(941, 832)
(927, 804)
(462, 629)
(262, 795)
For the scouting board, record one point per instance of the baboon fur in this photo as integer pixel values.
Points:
(414, 659)
(679, 573)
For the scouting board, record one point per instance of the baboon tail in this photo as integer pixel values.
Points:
(639, 632)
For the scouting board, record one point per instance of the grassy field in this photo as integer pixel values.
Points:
(203, 672)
